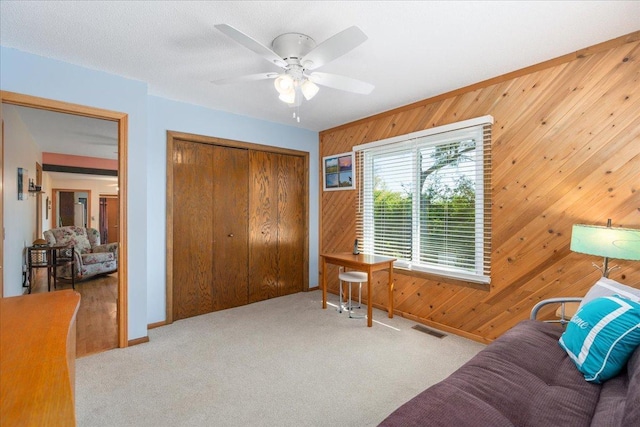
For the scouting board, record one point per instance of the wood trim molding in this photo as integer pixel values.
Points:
(122, 119)
(123, 248)
(14, 98)
(74, 169)
(171, 137)
(305, 255)
(582, 53)
(212, 140)
(156, 324)
(137, 341)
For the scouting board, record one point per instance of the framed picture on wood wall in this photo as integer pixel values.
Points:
(338, 172)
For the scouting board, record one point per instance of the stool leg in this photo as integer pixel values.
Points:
(350, 308)
(351, 315)
(340, 298)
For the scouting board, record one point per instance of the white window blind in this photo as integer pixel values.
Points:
(425, 199)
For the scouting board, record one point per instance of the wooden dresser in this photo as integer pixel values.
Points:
(37, 359)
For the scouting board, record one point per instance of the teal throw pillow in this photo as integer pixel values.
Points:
(601, 337)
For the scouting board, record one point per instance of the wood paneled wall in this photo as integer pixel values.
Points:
(566, 150)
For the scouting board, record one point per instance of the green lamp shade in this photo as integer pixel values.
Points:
(617, 243)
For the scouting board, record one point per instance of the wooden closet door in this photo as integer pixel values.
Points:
(192, 229)
(263, 225)
(291, 211)
(230, 255)
(276, 225)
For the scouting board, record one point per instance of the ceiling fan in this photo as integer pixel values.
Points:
(298, 55)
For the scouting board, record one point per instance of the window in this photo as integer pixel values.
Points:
(425, 199)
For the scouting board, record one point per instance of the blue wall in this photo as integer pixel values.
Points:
(149, 119)
(167, 115)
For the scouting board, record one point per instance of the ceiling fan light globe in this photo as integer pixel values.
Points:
(283, 84)
(288, 97)
(309, 89)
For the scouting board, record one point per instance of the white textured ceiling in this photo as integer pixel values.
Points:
(415, 49)
(69, 134)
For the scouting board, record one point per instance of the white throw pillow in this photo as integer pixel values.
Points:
(606, 287)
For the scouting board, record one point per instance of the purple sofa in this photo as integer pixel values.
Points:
(524, 378)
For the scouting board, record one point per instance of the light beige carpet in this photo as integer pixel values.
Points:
(280, 362)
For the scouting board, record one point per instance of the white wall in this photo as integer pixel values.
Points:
(19, 215)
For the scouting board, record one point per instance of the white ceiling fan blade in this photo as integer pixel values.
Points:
(251, 44)
(334, 47)
(341, 82)
(248, 78)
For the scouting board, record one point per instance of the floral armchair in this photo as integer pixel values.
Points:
(91, 258)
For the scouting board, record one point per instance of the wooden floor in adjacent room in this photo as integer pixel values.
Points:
(97, 320)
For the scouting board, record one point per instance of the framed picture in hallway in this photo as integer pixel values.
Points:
(338, 172)
(22, 184)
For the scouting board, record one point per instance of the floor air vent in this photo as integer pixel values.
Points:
(428, 331)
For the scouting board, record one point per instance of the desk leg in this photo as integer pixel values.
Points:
(369, 305)
(391, 284)
(324, 283)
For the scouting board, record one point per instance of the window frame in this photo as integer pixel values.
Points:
(480, 130)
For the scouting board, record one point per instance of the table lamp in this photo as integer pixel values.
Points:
(608, 242)
(39, 242)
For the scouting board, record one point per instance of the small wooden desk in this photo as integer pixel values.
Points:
(361, 262)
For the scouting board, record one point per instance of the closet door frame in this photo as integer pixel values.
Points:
(173, 136)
